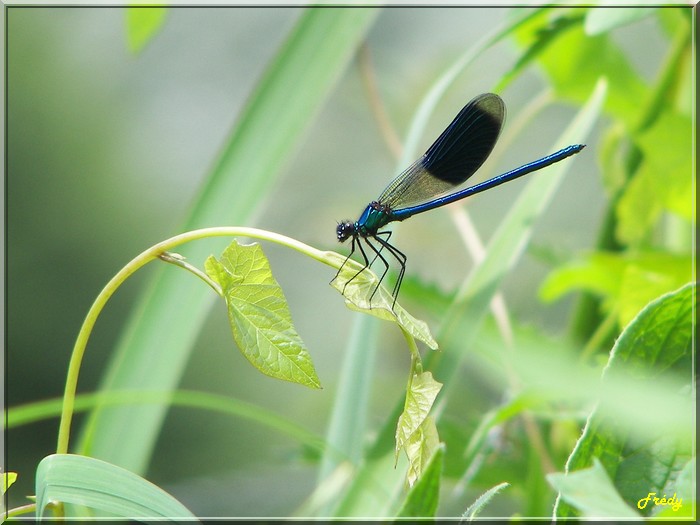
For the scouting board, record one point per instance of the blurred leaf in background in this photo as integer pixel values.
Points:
(118, 119)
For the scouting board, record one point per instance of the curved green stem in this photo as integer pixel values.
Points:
(154, 252)
(18, 511)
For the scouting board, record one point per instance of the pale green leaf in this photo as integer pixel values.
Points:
(475, 508)
(357, 289)
(592, 493)
(99, 485)
(626, 282)
(260, 319)
(8, 478)
(165, 322)
(599, 273)
(420, 448)
(419, 400)
(462, 322)
(423, 497)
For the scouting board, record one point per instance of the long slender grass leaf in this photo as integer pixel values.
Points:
(156, 344)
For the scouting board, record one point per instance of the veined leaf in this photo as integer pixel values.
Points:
(259, 316)
(422, 500)
(357, 288)
(167, 319)
(419, 400)
(421, 447)
(82, 480)
(658, 340)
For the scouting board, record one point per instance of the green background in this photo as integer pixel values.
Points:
(106, 150)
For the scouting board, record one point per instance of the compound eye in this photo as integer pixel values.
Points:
(344, 230)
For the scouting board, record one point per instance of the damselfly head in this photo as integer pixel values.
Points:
(345, 230)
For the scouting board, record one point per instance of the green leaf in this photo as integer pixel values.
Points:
(664, 180)
(682, 490)
(423, 498)
(357, 289)
(599, 273)
(657, 342)
(8, 478)
(142, 24)
(420, 449)
(99, 485)
(627, 282)
(348, 419)
(475, 508)
(259, 316)
(419, 400)
(164, 324)
(566, 60)
(592, 493)
(462, 322)
(601, 19)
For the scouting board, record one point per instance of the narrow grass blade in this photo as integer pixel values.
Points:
(155, 347)
(463, 319)
(475, 508)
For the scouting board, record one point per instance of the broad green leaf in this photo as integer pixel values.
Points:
(357, 289)
(259, 316)
(545, 37)
(419, 400)
(601, 19)
(599, 273)
(423, 497)
(592, 493)
(663, 181)
(684, 484)
(475, 508)
(164, 324)
(657, 342)
(142, 24)
(8, 478)
(566, 59)
(682, 490)
(627, 282)
(99, 485)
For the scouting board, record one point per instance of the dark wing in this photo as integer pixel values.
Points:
(454, 157)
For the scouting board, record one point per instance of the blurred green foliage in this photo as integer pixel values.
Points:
(115, 114)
